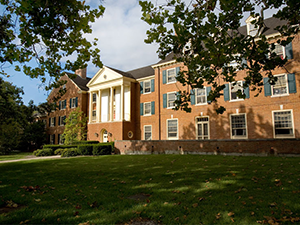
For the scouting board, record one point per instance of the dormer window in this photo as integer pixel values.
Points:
(252, 29)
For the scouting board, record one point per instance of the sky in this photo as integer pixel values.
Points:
(121, 34)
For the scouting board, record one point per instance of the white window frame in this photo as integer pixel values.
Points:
(61, 121)
(149, 83)
(177, 131)
(273, 123)
(60, 139)
(63, 105)
(149, 109)
(73, 103)
(246, 127)
(283, 50)
(173, 105)
(233, 85)
(52, 122)
(286, 85)
(148, 126)
(94, 111)
(52, 139)
(167, 76)
(196, 96)
(202, 122)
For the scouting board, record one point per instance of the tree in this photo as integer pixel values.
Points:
(205, 36)
(75, 128)
(47, 33)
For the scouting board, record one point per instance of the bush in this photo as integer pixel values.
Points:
(69, 152)
(59, 151)
(43, 152)
(85, 149)
(85, 142)
(55, 147)
(102, 149)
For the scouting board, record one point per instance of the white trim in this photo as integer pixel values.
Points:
(246, 126)
(167, 70)
(167, 133)
(168, 99)
(164, 64)
(144, 92)
(292, 118)
(146, 78)
(196, 126)
(287, 87)
(195, 90)
(145, 132)
(230, 88)
(144, 105)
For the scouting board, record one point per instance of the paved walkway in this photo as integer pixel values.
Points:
(31, 158)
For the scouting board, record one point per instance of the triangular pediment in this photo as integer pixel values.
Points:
(104, 75)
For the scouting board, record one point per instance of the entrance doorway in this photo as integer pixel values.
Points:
(104, 135)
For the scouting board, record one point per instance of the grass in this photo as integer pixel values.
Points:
(168, 189)
(16, 155)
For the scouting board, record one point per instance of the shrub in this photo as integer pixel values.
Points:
(59, 151)
(54, 147)
(43, 152)
(85, 142)
(85, 149)
(69, 152)
(102, 149)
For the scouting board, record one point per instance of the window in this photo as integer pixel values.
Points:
(52, 122)
(200, 96)
(73, 102)
(283, 124)
(94, 106)
(62, 120)
(280, 87)
(52, 139)
(172, 129)
(279, 51)
(147, 86)
(202, 128)
(238, 126)
(60, 139)
(147, 108)
(148, 132)
(171, 75)
(171, 99)
(252, 29)
(234, 88)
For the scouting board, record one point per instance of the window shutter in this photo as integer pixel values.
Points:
(193, 102)
(177, 71)
(164, 72)
(226, 93)
(152, 85)
(70, 103)
(292, 83)
(142, 87)
(246, 91)
(152, 108)
(54, 137)
(289, 51)
(141, 109)
(54, 121)
(59, 121)
(208, 89)
(178, 96)
(59, 105)
(164, 100)
(76, 101)
(267, 87)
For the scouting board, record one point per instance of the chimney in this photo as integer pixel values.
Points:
(81, 73)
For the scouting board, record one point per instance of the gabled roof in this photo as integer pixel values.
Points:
(142, 72)
(80, 82)
(124, 74)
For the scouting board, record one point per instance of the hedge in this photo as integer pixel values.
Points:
(85, 149)
(69, 152)
(54, 147)
(85, 142)
(43, 152)
(103, 149)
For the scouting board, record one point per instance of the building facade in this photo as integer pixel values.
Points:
(138, 104)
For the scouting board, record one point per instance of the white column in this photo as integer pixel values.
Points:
(122, 102)
(111, 104)
(99, 106)
(90, 107)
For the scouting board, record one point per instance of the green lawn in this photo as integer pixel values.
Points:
(167, 189)
(12, 156)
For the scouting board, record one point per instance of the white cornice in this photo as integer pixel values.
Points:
(165, 64)
(146, 78)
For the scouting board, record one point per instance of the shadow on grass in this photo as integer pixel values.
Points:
(176, 189)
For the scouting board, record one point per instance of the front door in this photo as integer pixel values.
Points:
(105, 136)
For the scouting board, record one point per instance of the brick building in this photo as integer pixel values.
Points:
(76, 96)
(137, 105)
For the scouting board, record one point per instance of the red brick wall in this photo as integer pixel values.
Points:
(240, 147)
